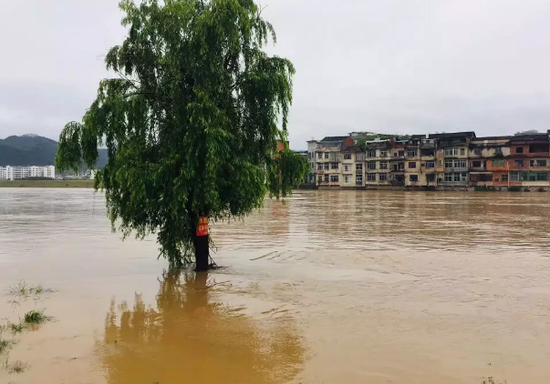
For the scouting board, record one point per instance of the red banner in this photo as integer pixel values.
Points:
(202, 228)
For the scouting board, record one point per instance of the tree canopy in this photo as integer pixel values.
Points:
(191, 120)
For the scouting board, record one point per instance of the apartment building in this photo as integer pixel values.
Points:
(452, 158)
(18, 173)
(487, 164)
(378, 157)
(352, 167)
(528, 160)
(397, 163)
(443, 161)
(420, 159)
(328, 155)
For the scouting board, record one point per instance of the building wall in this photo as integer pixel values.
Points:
(17, 173)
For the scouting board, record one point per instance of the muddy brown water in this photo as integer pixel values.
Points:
(329, 287)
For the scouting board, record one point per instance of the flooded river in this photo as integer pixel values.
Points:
(329, 287)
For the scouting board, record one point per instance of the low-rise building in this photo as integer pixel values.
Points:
(27, 172)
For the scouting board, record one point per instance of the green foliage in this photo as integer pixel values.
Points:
(190, 123)
(35, 317)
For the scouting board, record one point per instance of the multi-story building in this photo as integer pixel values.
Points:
(397, 163)
(327, 159)
(352, 169)
(311, 149)
(486, 159)
(443, 161)
(452, 158)
(377, 162)
(528, 161)
(32, 172)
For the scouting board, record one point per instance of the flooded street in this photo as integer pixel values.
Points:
(328, 287)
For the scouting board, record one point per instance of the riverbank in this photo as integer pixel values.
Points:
(47, 184)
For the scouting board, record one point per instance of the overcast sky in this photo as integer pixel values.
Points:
(395, 66)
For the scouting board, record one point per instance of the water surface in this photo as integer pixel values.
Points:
(329, 287)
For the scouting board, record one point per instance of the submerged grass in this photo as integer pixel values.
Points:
(5, 345)
(36, 317)
(22, 289)
(16, 367)
(16, 327)
(491, 380)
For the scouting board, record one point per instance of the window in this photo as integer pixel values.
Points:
(542, 176)
(326, 178)
(430, 177)
(448, 177)
(359, 179)
(456, 177)
(327, 166)
(448, 163)
(401, 153)
(430, 164)
(383, 153)
(371, 177)
(383, 165)
(333, 165)
(462, 151)
(538, 163)
(519, 149)
(477, 152)
(413, 178)
(514, 176)
(334, 178)
(358, 167)
(519, 163)
(319, 167)
(360, 156)
(498, 163)
(504, 178)
(460, 164)
(346, 179)
(346, 168)
(383, 177)
(451, 151)
(439, 163)
(371, 165)
(411, 153)
(412, 164)
(347, 156)
(476, 164)
(326, 155)
(319, 155)
(498, 151)
(371, 153)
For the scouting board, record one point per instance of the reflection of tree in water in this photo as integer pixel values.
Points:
(191, 340)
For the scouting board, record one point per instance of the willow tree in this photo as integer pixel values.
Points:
(191, 120)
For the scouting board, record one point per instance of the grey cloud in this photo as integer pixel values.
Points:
(399, 66)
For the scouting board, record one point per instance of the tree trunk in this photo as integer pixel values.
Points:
(202, 253)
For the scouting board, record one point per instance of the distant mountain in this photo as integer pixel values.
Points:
(34, 150)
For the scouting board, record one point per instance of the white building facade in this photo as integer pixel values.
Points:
(31, 172)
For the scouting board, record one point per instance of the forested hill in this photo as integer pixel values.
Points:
(33, 150)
